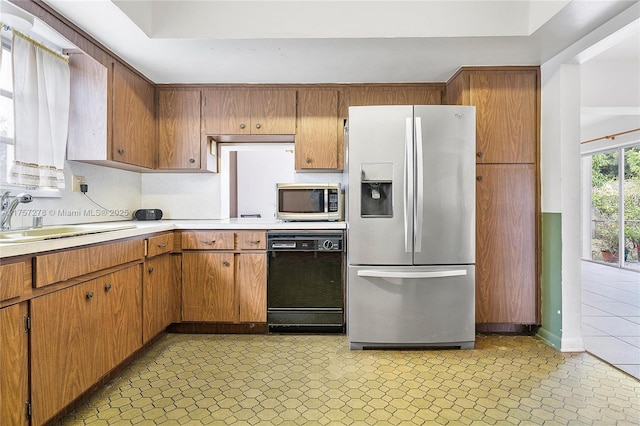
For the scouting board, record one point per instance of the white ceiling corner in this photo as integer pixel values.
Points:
(337, 19)
(328, 41)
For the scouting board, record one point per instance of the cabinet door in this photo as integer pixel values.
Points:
(506, 244)
(506, 119)
(66, 354)
(208, 290)
(317, 135)
(121, 315)
(179, 129)
(14, 366)
(88, 109)
(252, 287)
(273, 112)
(158, 296)
(133, 119)
(226, 112)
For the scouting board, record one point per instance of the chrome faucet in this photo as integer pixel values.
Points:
(8, 207)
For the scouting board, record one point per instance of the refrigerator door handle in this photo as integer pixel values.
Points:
(408, 184)
(377, 273)
(419, 208)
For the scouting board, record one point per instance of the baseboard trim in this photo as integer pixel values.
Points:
(549, 338)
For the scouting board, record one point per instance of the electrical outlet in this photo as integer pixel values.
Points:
(76, 181)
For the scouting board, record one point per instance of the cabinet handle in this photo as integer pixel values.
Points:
(258, 126)
(89, 295)
(151, 270)
(242, 126)
(208, 242)
(478, 178)
(163, 245)
(121, 151)
(191, 160)
(254, 242)
(225, 263)
(480, 154)
(107, 287)
(308, 160)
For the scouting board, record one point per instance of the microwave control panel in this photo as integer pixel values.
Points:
(334, 195)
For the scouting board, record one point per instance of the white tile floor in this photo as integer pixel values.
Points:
(611, 315)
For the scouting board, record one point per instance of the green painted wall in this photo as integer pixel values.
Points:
(551, 286)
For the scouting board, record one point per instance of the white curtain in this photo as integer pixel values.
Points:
(41, 81)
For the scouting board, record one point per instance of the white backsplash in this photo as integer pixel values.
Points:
(120, 193)
(182, 195)
(117, 191)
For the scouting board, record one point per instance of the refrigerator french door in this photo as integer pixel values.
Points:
(411, 226)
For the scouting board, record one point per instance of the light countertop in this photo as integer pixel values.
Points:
(140, 228)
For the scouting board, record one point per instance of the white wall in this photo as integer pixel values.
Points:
(560, 163)
(610, 94)
(258, 173)
(182, 195)
(118, 191)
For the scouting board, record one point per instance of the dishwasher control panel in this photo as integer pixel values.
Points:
(303, 241)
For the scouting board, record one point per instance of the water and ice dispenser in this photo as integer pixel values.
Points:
(376, 190)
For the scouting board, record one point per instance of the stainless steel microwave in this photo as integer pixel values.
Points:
(309, 201)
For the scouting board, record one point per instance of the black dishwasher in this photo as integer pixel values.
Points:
(305, 285)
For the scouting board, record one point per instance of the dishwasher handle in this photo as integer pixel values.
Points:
(375, 273)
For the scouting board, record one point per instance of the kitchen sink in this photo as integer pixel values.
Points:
(62, 231)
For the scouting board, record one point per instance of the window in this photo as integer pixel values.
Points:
(615, 206)
(8, 153)
(6, 111)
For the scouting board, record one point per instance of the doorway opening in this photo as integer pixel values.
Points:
(248, 176)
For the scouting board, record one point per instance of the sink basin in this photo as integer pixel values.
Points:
(62, 231)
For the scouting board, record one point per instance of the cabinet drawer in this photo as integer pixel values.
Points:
(12, 280)
(56, 267)
(159, 244)
(252, 240)
(207, 240)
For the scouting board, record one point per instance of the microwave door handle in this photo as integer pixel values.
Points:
(326, 200)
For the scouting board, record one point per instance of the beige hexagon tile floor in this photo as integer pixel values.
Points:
(316, 380)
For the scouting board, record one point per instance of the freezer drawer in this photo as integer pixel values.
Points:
(411, 306)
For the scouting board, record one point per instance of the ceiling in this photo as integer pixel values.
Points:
(322, 41)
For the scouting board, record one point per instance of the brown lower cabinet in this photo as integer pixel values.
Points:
(208, 287)
(160, 298)
(506, 284)
(227, 285)
(160, 289)
(224, 287)
(80, 333)
(14, 365)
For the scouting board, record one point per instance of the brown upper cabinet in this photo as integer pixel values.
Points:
(179, 146)
(317, 141)
(133, 118)
(112, 115)
(506, 111)
(397, 95)
(249, 112)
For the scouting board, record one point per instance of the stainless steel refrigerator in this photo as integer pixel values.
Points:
(411, 226)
